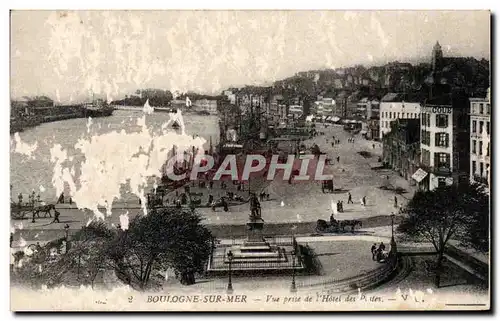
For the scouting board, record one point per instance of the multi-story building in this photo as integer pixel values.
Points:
(325, 106)
(444, 141)
(373, 109)
(401, 149)
(480, 127)
(397, 106)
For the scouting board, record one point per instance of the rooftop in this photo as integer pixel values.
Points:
(402, 97)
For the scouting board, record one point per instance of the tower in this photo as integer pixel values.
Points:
(437, 57)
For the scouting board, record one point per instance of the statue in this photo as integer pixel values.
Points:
(255, 213)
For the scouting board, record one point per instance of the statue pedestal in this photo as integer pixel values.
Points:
(254, 231)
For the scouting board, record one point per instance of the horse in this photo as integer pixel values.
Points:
(46, 209)
(351, 223)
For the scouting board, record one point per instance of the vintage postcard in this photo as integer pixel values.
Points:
(250, 160)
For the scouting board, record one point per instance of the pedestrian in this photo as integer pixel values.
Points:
(56, 217)
(20, 198)
(374, 251)
(381, 247)
(70, 201)
(33, 220)
(332, 219)
(61, 198)
(338, 159)
(349, 200)
(373, 145)
(395, 202)
(364, 200)
(11, 239)
(341, 207)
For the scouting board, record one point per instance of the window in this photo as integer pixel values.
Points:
(441, 140)
(474, 167)
(390, 114)
(488, 127)
(488, 150)
(481, 109)
(403, 115)
(481, 127)
(473, 146)
(474, 126)
(428, 119)
(480, 147)
(425, 137)
(422, 121)
(481, 169)
(441, 120)
(426, 157)
(488, 109)
(442, 160)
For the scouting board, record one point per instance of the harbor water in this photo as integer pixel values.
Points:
(36, 172)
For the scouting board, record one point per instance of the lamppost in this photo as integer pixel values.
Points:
(66, 233)
(293, 288)
(230, 283)
(393, 242)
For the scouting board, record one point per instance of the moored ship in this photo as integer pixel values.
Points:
(97, 108)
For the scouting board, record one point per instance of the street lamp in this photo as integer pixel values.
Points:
(66, 232)
(392, 226)
(393, 242)
(293, 288)
(230, 283)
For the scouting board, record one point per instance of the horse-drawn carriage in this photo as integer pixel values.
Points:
(220, 203)
(327, 185)
(335, 226)
(19, 211)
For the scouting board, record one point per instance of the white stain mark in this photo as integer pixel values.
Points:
(124, 219)
(41, 189)
(118, 158)
(282, 204)
(147, 108)
(89, 124)
(21, 242)
(24, 148)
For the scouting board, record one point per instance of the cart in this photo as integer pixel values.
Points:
(327, 186)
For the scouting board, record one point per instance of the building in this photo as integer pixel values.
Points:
(373, 109)
(207, 105)
(397, 106)
(368, 108)
(444, 141)
(230, 96)
(401, 149)
(373, 128)
(324, 107)
(480, 120)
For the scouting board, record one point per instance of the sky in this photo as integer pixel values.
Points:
(70, 55)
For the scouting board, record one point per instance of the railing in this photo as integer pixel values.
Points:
(354, 282)
(274, 240)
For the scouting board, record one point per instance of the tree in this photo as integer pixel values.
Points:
(88, 251)
(167, 237)
(446, 212)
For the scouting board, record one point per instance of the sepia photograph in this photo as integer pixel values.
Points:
(250, 160)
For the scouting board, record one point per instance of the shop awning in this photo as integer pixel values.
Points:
(419, 175)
